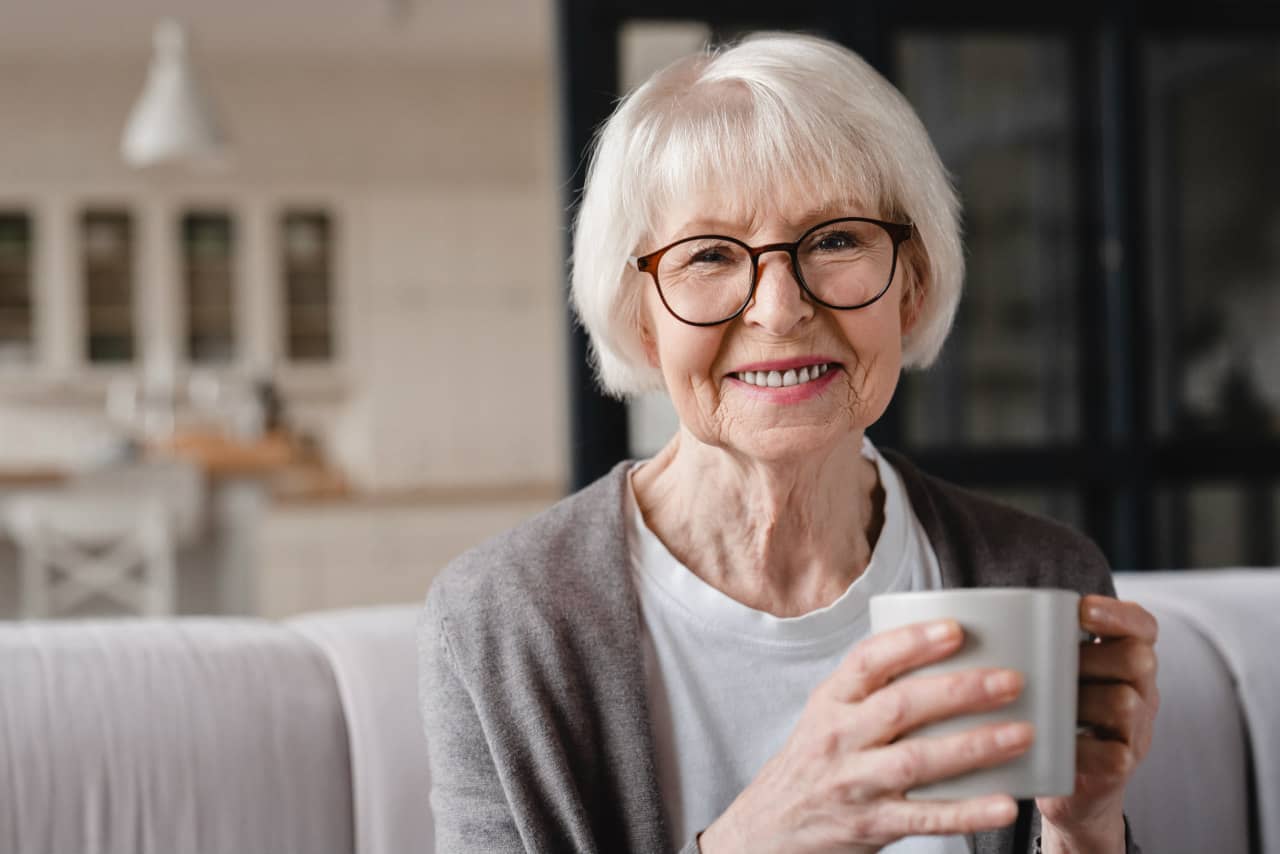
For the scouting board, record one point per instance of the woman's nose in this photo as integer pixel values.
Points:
(779, 304)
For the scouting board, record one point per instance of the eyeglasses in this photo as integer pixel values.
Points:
(709, 279)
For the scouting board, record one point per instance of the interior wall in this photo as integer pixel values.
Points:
(450, 296)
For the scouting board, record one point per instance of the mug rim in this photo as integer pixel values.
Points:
(979, 592)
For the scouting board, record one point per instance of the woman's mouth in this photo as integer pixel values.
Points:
(784, 379)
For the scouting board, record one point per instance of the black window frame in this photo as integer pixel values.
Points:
(1119, 464)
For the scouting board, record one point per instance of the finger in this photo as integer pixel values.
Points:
(895, 819)
(1119, 660)
(1113, 618)
(912, 702)
(916, 761)
(1102, 766)
(1111, 709)
(873, 662)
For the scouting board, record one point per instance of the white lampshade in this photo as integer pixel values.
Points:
(174, 120)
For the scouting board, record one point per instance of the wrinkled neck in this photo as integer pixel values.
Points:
(785, 537)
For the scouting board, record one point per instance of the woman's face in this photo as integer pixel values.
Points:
(781, 329)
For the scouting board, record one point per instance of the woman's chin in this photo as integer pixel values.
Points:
(795, 443)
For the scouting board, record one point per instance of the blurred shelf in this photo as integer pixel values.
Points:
(34, 476)
(290, 470)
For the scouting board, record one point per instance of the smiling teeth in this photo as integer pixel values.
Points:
(783, 379)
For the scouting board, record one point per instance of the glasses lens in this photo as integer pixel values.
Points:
(847, 263)
(705, 279)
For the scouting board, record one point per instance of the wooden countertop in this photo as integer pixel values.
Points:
(224, 456)
(429, 496)
(289, 467)
(295, 476)
(21, 478)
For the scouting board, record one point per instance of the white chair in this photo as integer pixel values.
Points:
(177, 484)
(74, 546)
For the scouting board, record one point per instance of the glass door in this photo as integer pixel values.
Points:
(16, 285)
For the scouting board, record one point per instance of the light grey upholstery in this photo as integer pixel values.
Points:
(376, 670)
(207, 735)
(166, 737)
(1198, 747)
(1218, 732)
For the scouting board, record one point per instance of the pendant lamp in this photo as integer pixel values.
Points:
(173, 121)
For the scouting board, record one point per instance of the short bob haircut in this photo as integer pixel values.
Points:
(773, 114)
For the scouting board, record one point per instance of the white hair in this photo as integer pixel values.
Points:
(774, 115)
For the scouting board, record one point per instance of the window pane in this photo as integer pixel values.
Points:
(998, 108)
(307, 265)
(1214, 232)
(16, 275)
(106, 247)
(208, 253)
(1217, 525)
(647, 46)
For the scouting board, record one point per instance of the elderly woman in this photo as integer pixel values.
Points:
(677, 657)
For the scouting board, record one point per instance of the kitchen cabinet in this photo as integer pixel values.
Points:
(158, 286)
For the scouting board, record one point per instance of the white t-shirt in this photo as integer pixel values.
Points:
(726, 683)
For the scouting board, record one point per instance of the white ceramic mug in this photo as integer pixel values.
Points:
(1035, 631)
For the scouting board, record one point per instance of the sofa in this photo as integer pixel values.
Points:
(240, 736)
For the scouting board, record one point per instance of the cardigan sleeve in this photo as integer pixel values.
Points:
(470, 808)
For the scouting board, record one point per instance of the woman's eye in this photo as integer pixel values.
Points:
(835, 240)
(710, 255)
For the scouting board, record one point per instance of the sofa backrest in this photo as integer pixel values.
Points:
(373, 655)
(1191, 793)
(1212, 779)
(191, 736)
(217, 735)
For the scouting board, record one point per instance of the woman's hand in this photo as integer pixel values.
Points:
(837, 785)
(1117, 702)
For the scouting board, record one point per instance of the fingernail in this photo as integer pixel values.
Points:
(1001, 683)
(1012, 734)
(1096, 614)
(941, 631)
(1001, 811)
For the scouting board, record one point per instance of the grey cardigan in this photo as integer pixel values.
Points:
(532, 684)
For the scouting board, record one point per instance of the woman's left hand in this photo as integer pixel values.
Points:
(1118, 700)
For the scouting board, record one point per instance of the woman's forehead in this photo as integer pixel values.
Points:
(745, 167)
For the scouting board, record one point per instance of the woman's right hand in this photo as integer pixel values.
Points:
(837, 785)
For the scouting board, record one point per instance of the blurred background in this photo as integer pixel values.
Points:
(282, 296)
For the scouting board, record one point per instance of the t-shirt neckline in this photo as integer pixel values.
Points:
(847, 616)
